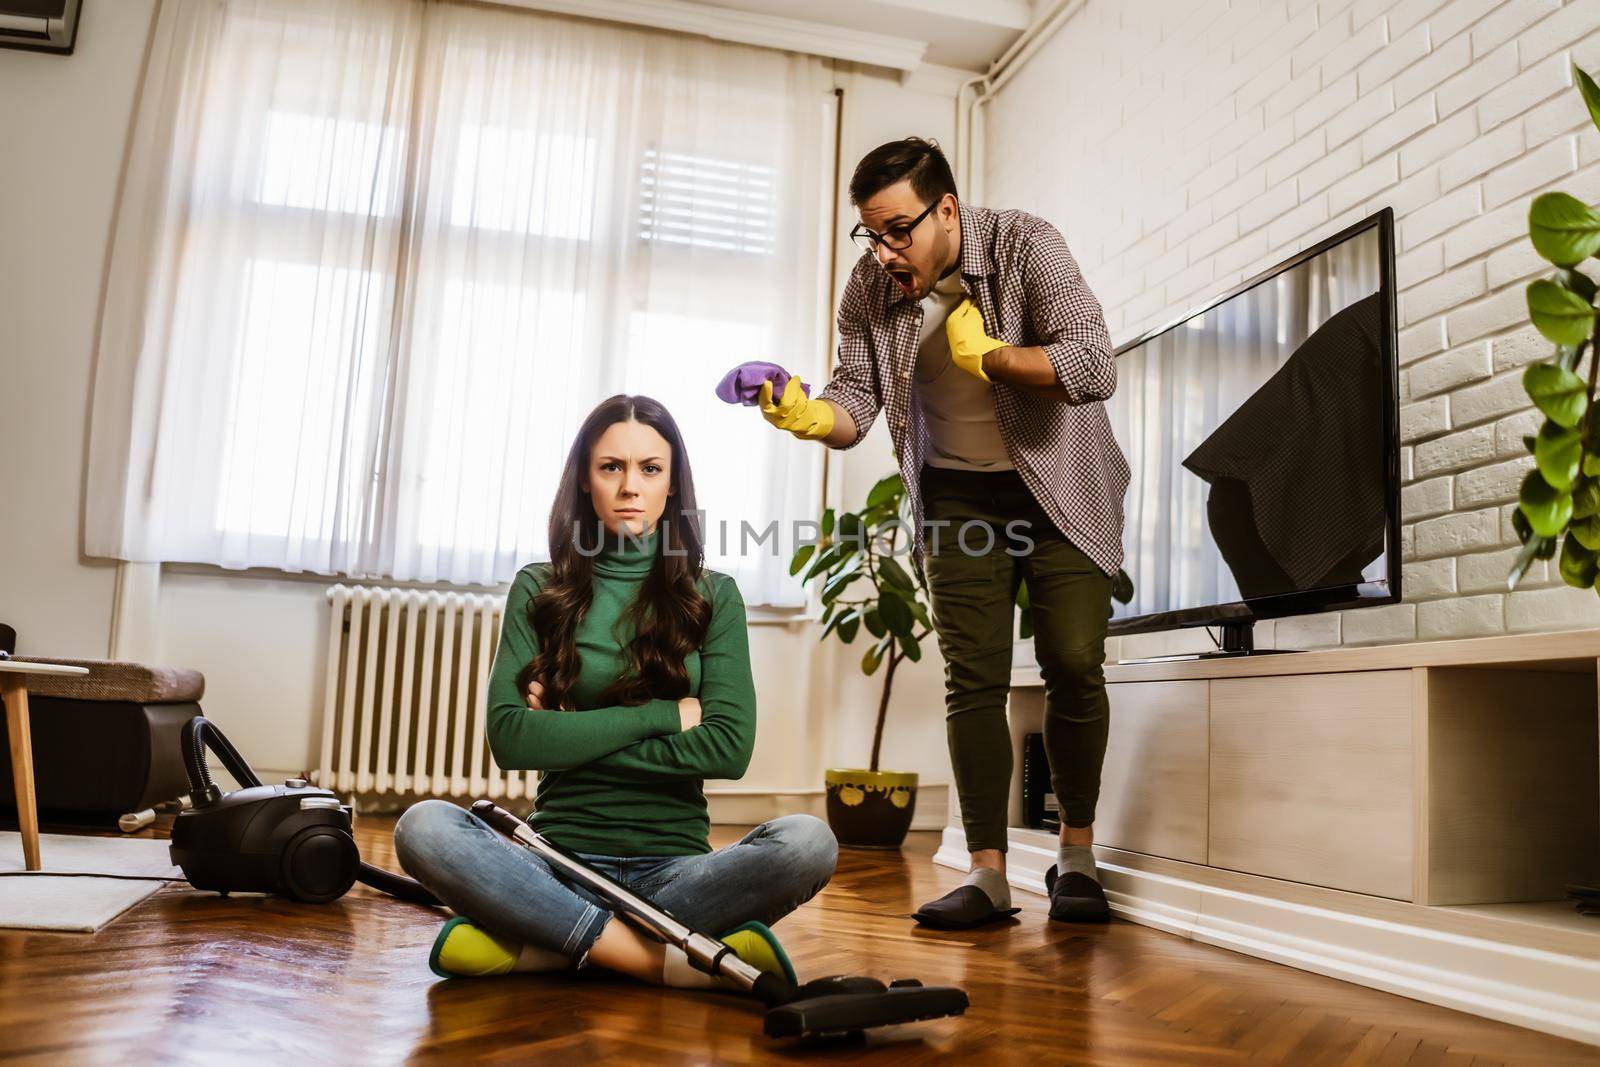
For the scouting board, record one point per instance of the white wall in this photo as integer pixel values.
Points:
(260, 638)
(66, 120)
(1183, 146)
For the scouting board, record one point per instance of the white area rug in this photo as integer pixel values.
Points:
(42, 902)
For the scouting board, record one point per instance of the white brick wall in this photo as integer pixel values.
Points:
(1184, 145)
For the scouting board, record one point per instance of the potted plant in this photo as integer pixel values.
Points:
(1560, 497)
(870, 808)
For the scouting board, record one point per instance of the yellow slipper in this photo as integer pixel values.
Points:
(464, 949)
(758, 946)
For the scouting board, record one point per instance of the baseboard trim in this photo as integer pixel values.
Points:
(1539, 989)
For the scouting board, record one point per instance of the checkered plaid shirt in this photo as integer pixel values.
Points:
(1018, 271)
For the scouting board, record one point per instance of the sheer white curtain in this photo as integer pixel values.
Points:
(1176, 389)
(376, 259)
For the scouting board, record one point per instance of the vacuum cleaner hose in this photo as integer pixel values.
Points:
(200, 733)
(396, 885)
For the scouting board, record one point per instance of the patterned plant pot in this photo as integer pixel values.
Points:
(871, 809)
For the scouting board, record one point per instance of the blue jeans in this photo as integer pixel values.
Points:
(511, 891)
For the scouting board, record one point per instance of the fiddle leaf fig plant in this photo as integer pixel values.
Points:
(892, 605)
(1558, 508)
(865, 585)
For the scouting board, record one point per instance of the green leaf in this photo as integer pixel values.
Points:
(831, 625)
(1122, 587)
(1560, 394)
(1519, 523)
(1585, 498)
(1569, 356)
(1591, 443)
(1591, 93)
(1524, 560)
(874, 620)
(827, 522)
(886, 491)
(801, 554)
(1557, 450)
(874, 655)
(1561, 315)
(1587, 531)
(846, 623)
(1547, 548)
(827, 559)
(1565, 230)
(849, 526)
(896, 614)
(1548, 509)
(1529, 442)
(850, 626)
(891, 571)
(1576, 282)
(1022, 596)
(838, 583)
(921, 613)
(911, 648)
(1579, 565)
(1025, 624)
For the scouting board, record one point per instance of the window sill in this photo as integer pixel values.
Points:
(757, 615)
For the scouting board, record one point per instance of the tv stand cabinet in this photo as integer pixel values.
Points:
(1402, 816)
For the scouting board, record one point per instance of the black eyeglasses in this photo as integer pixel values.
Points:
(895, 237)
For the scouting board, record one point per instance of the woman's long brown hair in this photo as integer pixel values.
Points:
(668, 617)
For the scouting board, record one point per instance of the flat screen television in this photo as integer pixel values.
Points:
(1262, 434)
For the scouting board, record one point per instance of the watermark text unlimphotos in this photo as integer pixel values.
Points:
(720, 537)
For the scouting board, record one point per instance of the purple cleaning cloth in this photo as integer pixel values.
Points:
(742, 385)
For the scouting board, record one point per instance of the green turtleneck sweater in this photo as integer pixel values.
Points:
(625, 781)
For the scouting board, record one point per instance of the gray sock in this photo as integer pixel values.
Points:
(993, 884)
(1078, 858)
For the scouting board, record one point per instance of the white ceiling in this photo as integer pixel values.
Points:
(969, 34)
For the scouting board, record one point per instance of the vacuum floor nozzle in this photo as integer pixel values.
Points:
(839, 1007)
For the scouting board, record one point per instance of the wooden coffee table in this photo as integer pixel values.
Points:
(14, 691)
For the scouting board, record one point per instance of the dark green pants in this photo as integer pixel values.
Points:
(974, 566)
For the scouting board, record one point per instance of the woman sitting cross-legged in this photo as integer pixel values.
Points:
(623, 676)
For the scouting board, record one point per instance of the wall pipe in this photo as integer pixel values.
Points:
(1013, 59)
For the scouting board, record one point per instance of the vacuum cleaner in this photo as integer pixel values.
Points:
(838, 1006)
(292, 839)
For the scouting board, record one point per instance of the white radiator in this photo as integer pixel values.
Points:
(408, 674)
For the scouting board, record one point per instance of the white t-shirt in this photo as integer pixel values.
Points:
(958, 407)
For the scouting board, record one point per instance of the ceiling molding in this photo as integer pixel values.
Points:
(744, 27)
(1005, 14)
(936, 79)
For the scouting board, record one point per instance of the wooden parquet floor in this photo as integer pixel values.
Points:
(191, 978)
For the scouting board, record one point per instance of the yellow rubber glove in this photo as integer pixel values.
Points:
(968, 341)
(807, 419)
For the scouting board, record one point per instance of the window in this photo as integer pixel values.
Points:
(712, 203)
(401, 250)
